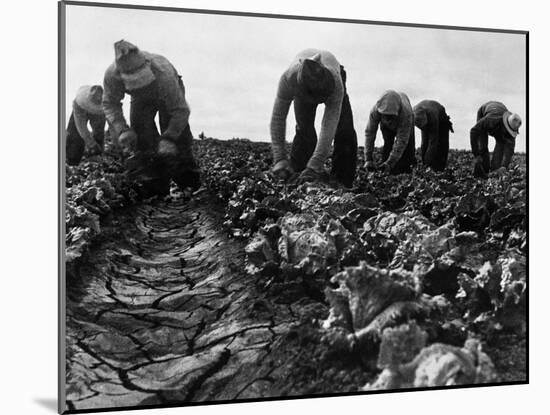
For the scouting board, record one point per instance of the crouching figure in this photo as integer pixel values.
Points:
(494, 119)
(155, 88)
(86, 108)
(314, 77)
(432, 119)
(394, 114)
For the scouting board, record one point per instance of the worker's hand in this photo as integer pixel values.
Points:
(385, 168)
(370, 165)
(501, 171)
(167, 147)
(93, 148)
(128, 139)
(282, 170)
(309, 175)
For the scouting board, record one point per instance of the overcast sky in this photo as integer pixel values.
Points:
(231, 65)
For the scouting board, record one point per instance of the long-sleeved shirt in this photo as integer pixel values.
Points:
(391, 103)
(81, 118)
(288, 90)
(490, 122)
(168, 88)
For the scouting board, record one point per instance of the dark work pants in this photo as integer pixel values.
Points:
(502, 153)
(344, 156)
(434, 148)
(407, 160)
(156, 171)
(75, 144)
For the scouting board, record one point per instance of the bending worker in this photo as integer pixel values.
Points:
(155, 87)
(430, 117)
(394, 114)
(86, 108)
(493, 118)
(314, 77)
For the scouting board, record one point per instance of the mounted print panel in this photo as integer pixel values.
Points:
(264, 207)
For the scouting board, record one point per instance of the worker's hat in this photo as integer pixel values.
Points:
(512, 122)
(89, 98)
(133, 65)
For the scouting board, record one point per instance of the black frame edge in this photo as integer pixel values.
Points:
(61, 370)
(527, 202)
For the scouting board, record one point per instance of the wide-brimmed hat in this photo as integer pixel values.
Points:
(133, 65)
(512, 122)
(89, 98)
(315, 79)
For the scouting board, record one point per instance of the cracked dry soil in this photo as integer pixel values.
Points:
(163, 312)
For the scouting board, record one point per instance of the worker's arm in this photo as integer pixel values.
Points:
(479, 135)
(278, 119)
(333, 107)
(176, 106)
(370, 133)
(406, 124)
(509, 147)
(113, 93)
(81, 123)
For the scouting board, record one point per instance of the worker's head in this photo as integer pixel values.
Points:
(420, 118)
(89, 98)
(96, 94)
(315, 80)
(512, 122)
(134, 67)
(389, 106)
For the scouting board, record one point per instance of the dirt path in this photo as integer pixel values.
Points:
(163, 312)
